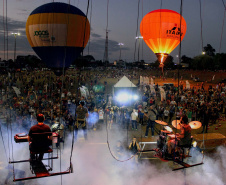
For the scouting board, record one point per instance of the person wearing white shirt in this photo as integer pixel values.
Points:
(134, 116)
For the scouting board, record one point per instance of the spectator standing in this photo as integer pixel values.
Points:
(152, 113)
(82, 114)
(171, 112)
(134, 116)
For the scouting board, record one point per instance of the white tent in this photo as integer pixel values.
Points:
(124, 83)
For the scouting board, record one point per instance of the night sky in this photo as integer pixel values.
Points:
(122, 24)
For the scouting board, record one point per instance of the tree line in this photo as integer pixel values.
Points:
(208, 60)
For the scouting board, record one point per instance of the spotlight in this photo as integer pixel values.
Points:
(122, 97)
(125, 97)
(135, 97)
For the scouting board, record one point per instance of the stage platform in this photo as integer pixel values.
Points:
(209, 140)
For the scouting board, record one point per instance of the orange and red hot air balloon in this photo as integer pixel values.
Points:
(161, 30)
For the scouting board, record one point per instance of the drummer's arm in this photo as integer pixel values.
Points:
(181, 135)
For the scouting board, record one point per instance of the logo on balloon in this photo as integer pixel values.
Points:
(42, 34)
(175, 31)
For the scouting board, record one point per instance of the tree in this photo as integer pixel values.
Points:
(209, 50)
(186, 60)
(219, 61)
(202, 62)
(169, 64)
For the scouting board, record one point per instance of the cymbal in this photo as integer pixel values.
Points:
(176, 124)
(195, 124)
(161, 122)
(168, 128)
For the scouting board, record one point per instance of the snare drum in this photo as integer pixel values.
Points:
(171, 136)
(165, 132)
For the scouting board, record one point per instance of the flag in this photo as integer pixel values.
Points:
(141, 80)
(152, 81)
(162, 93)
(83, 91)
(17, 91)
(187, 85)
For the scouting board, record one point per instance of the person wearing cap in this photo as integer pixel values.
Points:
(39, 146)
(151, 115)
(81, 115)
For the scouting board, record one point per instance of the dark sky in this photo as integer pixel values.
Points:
(122, 24)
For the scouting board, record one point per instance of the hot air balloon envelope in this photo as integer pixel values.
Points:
(161, 31)
(58, 33)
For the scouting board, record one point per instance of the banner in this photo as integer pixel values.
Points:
(187, 85)
(152, 81)
(84, 91)
(17, 91)
(152, 90)
(162, 93)
(141, 80)
(146, 80)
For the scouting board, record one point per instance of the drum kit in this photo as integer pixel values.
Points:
(167, 134)
(161, 122)
(195, 124)
(176, 124)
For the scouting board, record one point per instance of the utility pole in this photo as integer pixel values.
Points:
(106, 49)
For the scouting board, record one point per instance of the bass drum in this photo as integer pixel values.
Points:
(161, 141)
(165, 151)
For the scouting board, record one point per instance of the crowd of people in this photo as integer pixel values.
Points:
(25, 95)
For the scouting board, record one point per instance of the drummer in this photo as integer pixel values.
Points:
(184, 138)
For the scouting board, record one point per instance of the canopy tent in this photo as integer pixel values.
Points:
(124, 92)
(124, 84)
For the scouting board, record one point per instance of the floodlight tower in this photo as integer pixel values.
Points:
(15, 35)
(106, 49)
(139, 38)
(120, 45)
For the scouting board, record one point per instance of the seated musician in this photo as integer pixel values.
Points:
(182, 138)
(38, 142)
(134, 148)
